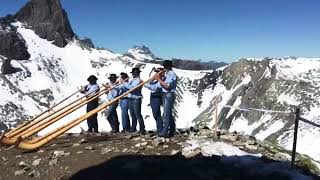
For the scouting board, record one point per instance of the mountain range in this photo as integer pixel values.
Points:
(42, 61)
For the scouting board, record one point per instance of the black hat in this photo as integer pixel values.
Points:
(167, 63)
(124, 75)
(112, 76)
(135, 70)
(92, 78)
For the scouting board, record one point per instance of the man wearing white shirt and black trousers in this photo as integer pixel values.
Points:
(90, 90)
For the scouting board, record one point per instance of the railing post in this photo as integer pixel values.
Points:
(296, 124)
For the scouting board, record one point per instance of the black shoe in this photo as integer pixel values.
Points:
(132, 131)
(114, 131)
(142, 132)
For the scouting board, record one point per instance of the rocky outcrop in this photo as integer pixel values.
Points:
(6, 67)
(86, 43)
(12, 45)
(197, 65)
(48, 19)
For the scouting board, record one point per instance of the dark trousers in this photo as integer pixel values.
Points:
(156, 103)
(124, 105)
(112, 117)
(169, 125)
(92, 120)
(135, 112)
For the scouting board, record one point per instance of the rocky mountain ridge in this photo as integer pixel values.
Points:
(191, 154)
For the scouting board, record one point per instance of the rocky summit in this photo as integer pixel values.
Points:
(48, 19)
(189, 155)
(12, 44)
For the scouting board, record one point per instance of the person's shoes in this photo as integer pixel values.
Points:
(114, 131)
(142, 132)
(171, 134)
(132, 131)
(123, 131)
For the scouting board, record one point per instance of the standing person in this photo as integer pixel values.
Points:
(124, 105)
(112, 115)
(156, 100)
(90, 90)
(135, 100)
(168, 82)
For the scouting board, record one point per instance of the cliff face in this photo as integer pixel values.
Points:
(12, 45)
(48, 19)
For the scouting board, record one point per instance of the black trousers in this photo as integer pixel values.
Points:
(92, 121)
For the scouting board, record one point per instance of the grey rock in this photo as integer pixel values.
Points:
(239, 143)
(6, 67)
(158, 141)
(190, 154)
(205, 132)
(75, 144)
(48, 20)
(23, 164)
(36, 162)
(165, 146)
(19, 172)
(34, 173)
(230, 137)
(79, 152)
(86, 43)
(150, 147)
(137, 145)
(125, 150)
(53, 162)
(90, 148)
(251, 142)
(4, 158)
(57, 154)
(128, 136)
(83, 141)
(12, 45)
(106, 150)
(251, 147)
(27, 168)
(174, 152)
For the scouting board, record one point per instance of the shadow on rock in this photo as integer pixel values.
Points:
(179, 167)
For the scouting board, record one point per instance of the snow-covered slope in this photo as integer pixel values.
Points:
(53, 73)
(142, 53)
(279, 84)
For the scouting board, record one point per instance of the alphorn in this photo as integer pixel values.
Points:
(59, 131)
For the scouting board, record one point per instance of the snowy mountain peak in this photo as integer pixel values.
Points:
(141, 53)
(48, 19)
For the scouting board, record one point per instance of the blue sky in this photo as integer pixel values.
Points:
(223, 30)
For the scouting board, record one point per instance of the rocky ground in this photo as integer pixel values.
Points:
(129, 156)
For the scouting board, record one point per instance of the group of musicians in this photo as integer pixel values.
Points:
(162, 88)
